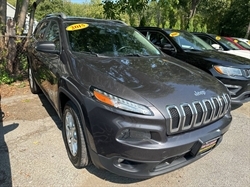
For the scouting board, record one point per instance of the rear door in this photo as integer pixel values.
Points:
(161, 41)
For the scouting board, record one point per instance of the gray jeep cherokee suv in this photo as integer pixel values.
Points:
(125, 106)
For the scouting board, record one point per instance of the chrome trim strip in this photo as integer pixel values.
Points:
(192, 116)
(247, 72)
(171, 119)
(227, 101)
(223, 101)
(219, 103)
(206, 111)
(196, 113)
(215, 116)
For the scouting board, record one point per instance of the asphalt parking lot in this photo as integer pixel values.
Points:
(32, 153)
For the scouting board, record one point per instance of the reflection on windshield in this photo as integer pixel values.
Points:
(227, 43)
(243, 44)
(103, 39)
(188, 41)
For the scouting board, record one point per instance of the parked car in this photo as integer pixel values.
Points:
(233, 71)
(235, 42)
(245, 43)
(224, 45)
(123, 105)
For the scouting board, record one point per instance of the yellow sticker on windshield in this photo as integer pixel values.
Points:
(248, 42)
(174, 34)
(236, 41)
(78, 26)
(217, 37)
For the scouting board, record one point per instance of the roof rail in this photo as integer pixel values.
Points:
(119, 21)
(62, 15)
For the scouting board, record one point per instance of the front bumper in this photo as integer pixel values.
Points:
(143, 156)
(239, 91)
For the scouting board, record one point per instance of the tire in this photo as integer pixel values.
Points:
(73, 136)
(34, 88)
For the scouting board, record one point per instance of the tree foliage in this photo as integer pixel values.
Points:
(224, 17)
(230, 17)
(236, 20)
(52, 6)
(133, 8)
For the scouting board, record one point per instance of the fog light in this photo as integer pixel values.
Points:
(124, 134)
(120, 160)
(132, 134)
(233, 89)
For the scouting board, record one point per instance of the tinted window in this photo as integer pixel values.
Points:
(243, 44)
(118, 40)
(227, 43)
(187, 40)
(40, 31)
(208, 40)
(53, 34)
(158, 38)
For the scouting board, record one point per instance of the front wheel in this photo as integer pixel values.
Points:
(73, 136)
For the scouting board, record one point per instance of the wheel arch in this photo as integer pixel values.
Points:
(73, 94)
(64, 97)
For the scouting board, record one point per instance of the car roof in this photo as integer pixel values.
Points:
(207, 34)
(66, 18)
(158, 28)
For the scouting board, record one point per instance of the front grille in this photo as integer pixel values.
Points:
(198, 113)
(247, 73)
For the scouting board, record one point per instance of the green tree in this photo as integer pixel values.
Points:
(133, 8)
(20, 15)
(212, 12)
(52, 6)
(94, 9)
(164, 13)
(236, 19)
(12, 2)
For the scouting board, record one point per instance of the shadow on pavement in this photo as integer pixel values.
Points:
(5, 166)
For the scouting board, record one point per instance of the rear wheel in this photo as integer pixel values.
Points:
(34, 88)
(73, 136)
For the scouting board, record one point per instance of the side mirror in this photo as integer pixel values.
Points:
(217, 46)
(46, 47)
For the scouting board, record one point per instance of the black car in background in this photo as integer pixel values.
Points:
(123, 106)
(212, 39)
(222, 44)
(233, 71)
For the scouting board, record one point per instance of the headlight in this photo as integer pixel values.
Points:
(120, 103)
(228, 71)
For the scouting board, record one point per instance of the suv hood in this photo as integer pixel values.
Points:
(219, 58)
(148, 80)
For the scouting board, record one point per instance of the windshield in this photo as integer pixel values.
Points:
(188, 41)
(227, 43)
(243, 44)
(108, 40)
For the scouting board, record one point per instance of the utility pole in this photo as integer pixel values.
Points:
(248, 31)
